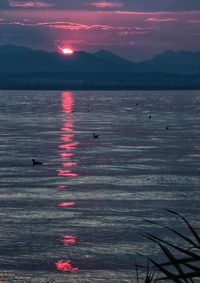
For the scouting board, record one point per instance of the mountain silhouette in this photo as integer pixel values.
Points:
(13, 49)
(20, 59)
(24, 68)
(180, 62)
(107, 55)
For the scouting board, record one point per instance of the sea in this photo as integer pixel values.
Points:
(85, 214)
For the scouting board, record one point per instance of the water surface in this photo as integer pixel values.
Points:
(80, 216)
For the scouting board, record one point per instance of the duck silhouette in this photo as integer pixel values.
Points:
(95, 136)
(36, 162)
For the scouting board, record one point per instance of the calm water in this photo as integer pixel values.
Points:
(80, 216)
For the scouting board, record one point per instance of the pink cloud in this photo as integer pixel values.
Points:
(3, 22)
(73, 26)
(105, 4)
(24, 4)
(132, 13)
(161, 19)
(128, 33)
(71, 42)
(70, 26)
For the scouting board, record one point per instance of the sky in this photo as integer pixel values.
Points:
(134, 29)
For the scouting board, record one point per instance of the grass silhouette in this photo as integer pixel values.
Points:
(182, 262)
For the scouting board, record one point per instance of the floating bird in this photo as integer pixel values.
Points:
(36, 162)
(149, 116)
(95, 136)
(137, 104)
(167, 127)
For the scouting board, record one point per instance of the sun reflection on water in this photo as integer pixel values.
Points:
(66, 148)
(65, 265)
(69, 146)
(63, 204)
(68, 240)
(66, 173)
(67, 135)
(66, 154)
(61, 187)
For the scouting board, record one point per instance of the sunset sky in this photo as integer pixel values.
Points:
(134, 29)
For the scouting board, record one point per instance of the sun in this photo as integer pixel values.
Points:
(67, 51)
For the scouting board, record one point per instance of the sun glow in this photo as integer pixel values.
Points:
(67, 51)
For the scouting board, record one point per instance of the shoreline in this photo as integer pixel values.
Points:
(96, 88)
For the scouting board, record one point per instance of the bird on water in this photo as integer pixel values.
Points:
(95, 136)
(36, 162)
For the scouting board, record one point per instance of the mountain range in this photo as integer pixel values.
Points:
(21, 66)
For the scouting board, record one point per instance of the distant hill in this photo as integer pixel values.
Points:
(15, 59)
(24, 68)
(12, 49)
(107, 55)
(174, 62)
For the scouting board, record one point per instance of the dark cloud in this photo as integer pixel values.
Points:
(26, 4)
(133, 5)
(163, 5)
(129, 5)
(4, 4)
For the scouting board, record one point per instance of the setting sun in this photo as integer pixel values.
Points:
(67, 51)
